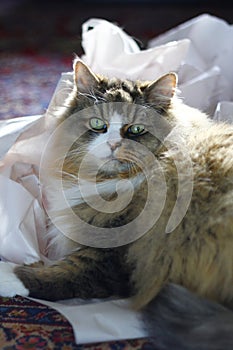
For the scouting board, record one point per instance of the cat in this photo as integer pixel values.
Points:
(139, 135)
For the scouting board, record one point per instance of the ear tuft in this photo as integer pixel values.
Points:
(84, 78)
(161, 91)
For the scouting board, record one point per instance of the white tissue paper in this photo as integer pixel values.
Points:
(206, 73)
(199, 51)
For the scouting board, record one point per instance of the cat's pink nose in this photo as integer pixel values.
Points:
(114, 144)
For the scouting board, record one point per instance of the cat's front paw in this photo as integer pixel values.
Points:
(10, 284)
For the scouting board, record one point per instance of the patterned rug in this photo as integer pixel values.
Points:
(28, 82)
(25, 324)
(28, 325)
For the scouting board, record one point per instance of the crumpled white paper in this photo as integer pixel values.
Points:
(120, 55)
(198, 50)
(206, 73)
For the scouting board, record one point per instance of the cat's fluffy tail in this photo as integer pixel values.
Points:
(179, 320)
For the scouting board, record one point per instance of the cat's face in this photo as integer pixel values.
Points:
(118, 137)
(117, 119)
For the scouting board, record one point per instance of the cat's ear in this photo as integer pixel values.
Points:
(84, 78)
(161, 91)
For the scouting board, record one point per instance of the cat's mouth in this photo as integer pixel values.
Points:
(120, 168)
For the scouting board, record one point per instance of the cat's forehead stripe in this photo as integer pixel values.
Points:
(115, 124)
(118, 113)
(116, 118)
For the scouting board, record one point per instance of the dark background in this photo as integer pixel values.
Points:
(46, 26)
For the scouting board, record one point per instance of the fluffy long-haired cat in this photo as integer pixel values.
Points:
(139, 191)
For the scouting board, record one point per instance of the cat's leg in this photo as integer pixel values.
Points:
(87, 273)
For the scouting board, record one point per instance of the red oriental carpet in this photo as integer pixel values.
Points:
(25, 324)
(29, 325)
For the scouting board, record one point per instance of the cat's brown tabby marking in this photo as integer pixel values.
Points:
(197, 254)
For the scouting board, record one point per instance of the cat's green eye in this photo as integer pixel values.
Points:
(98, 124)
(136, 129)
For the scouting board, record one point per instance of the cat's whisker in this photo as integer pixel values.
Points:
(88, 96)
(92, 95)
(68, 176)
